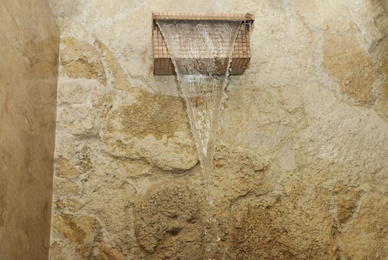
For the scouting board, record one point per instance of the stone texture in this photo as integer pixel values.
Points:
(29, 51)
(274, 121)
(347, 201)
(167, 223)
(380, 56)
(81, 60)
(238, 173)
(65, 169)
(300, 169)
(106, 252)
(382, 102)
(369, 18)
(286, 51)
(329, 15)
(347, 63)
(83, 231)
(296, 225)
(120, 78)
(153, 128)
(366, 236)
(338, 146)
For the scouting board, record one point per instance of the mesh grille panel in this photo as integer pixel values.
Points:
(241, 54)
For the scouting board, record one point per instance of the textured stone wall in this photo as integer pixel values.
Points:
(29, 46)
(301, 169)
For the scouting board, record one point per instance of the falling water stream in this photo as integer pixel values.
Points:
(201, 53)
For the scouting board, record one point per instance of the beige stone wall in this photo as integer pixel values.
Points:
(29, 46)
(301, 169)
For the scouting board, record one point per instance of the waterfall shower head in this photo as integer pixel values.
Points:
(163, 64)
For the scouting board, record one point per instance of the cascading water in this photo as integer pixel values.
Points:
(201, 53)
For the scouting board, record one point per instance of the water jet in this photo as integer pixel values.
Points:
(202, 51)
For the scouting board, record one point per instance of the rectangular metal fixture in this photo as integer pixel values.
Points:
(241, 53)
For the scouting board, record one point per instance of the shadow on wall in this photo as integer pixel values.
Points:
(28, 85)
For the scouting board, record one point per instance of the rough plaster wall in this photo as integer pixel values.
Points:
(300, 169)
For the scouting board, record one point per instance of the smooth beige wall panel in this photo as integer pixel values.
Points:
(28, 79)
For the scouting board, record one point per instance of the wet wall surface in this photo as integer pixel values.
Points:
(28, 83)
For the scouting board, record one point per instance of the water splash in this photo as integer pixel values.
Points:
(201, 53)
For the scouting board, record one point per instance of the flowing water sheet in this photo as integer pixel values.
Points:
(201, 53)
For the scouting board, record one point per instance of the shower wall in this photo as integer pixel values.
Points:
(28, 84)
(300, 171)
